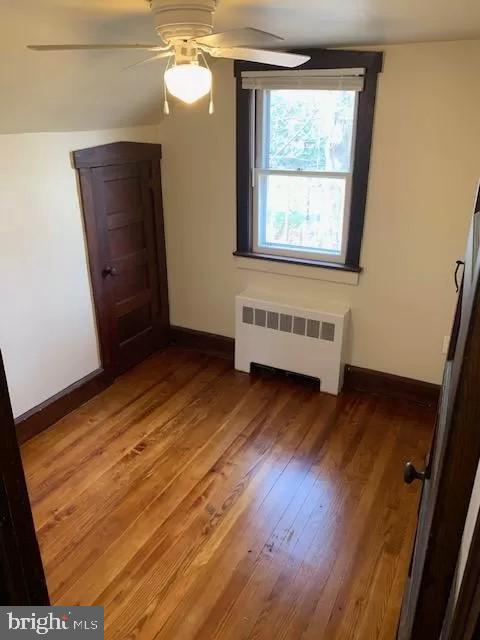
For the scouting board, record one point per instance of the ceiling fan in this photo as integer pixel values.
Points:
(186, 30)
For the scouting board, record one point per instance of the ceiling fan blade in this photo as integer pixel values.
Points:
(247, 37)
(163, 54)
(277, 58)
(86, 47)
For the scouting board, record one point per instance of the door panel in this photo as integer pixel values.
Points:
(22, 580)
(450, 471)
(124, 224)
(126, 240)
(134, 323)
(130, 279)
(425, 510)
(122, 189)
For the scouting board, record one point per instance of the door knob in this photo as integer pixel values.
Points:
(410, 474)
(109, 271)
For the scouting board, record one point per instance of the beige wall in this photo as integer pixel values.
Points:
(47, 330)
(425, 165)
(79, 90)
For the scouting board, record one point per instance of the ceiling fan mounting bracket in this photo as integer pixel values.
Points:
(183, 19)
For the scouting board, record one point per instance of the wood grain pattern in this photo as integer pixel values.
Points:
(193, 501)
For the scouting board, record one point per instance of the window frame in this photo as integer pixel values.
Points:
(247, 246)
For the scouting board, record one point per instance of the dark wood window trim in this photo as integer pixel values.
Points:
(372, 62)
(335, 266)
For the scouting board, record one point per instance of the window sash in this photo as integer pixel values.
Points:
(300, 252)
(260, 123)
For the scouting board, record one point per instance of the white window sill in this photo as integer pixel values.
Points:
(312, 272)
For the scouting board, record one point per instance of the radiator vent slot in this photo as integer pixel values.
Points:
(313, 328)
(247, 315)
(285, 323)
(290, 324)
(299, 325)
(260, 317)
(328, 331)
(272, 320)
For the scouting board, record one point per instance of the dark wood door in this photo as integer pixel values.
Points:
(22, 580)
(450, 469)
(122, 203)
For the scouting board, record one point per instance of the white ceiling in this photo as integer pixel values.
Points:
(89, 90)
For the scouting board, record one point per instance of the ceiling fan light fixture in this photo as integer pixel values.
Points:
(188, 82)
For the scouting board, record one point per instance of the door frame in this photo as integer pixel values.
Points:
(21, 572)
(118, 153)
(463, 619)
(464, 623)
(460, 462)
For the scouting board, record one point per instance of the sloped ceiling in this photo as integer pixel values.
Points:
(91, 90)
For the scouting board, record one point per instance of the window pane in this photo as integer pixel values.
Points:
(301, 213)
(309, 130)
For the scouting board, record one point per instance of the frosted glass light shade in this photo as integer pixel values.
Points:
(188, 82)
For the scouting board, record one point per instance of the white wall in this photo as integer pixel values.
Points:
(47, 328)
(425, 166)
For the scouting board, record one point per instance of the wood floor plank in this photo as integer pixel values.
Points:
(134, 474)
(234, 500)
(64, 438)
(332, 500)
(343, 594)
(236, 608)
(226, 567)
(191, 484)
(326, 503)
(122, 432)
(195, 502)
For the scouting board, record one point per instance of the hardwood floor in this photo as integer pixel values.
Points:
(193, 501)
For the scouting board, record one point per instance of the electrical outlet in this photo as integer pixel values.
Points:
(446, 342)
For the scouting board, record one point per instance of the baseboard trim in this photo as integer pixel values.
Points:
(388, 384)
(39, 418)
(48, 412)
(356, 378)
(210, 343)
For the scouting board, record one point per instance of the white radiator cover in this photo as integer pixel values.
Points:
(308, 339)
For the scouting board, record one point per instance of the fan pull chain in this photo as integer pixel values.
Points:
(166, 108)
(211, 106)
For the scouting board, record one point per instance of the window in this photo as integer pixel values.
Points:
(303, 146)
(303, 172)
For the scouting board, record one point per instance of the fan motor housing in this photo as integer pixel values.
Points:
(183, 19)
